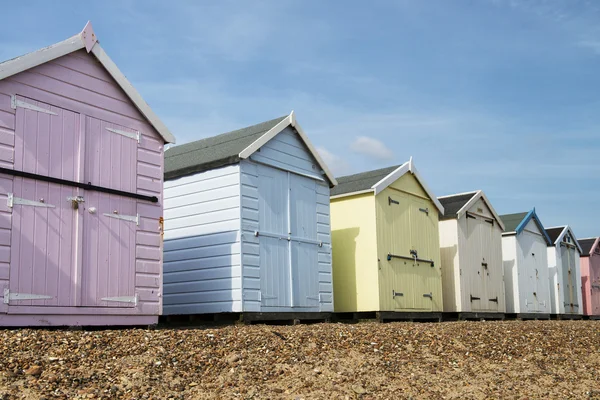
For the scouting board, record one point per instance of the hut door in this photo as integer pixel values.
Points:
(529, 273)
(44, 237)
(304, 244)
(490, 271)
(109, 221)
(274, 247)
(567, 279)
(422, 229)
(72, 247)
(475, 267)
(399, 274)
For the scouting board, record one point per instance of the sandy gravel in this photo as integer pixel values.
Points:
(461, 360)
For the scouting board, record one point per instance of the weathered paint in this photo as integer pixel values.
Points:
(400, 226)
(590, 280)
(276, 192)
(565, 276)
(73, 145)
(471, 251)
(526, 271)
(354, 243)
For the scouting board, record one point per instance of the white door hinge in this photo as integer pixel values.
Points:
(122, 299)
(12, 200)
(8, 296)
(131, 218)
(14, 103)
(262, 297)
(131, 135)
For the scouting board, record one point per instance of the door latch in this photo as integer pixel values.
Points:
(75, 200)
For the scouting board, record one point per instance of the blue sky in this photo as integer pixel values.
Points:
(499, 95)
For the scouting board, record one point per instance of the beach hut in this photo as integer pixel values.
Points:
(247, 224)
(564, 272)
(386, 255)
(471, 253)
(525, 257)
(81, 191)
(590, 276)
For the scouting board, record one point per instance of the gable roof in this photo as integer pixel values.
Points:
(86, 39)
(377, 180)
(232, 147)
(556, 234)
(512, 221)
(587, 246)
(453, 203)
(462, 202)
(362, 181)
(514, 224)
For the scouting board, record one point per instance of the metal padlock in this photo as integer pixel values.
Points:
(75, 201)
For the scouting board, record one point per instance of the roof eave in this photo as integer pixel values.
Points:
(88, 40)
(358, 192)
(476, 196)
(290, 120)
(566, 229)
(398, 173)
(532, 215)
(195, 169)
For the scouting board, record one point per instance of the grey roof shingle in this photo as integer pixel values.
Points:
(511, 221)
(586, 246)
(554, 233)
(362, 181)
(213, 152)
(452, 204)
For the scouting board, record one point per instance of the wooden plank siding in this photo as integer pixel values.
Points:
(202, 250)
(285, 152)
(78, 82)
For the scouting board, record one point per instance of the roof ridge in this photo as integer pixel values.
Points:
(458, 194)
(250, 133)
(393, 167)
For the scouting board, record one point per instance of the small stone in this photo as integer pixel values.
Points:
(193, 384)
(158, 363)
(234, 358)
(34, 370)
(317, 371)
(359, 389)
(52, 358)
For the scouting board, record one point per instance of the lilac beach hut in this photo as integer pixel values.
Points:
(81, 167)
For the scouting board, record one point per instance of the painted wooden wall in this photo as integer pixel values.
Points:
(557, 264)
(213, 261)
(485, 242)
(77, 82)
(400, 228)
(590, 279)
(526, 271)
(354, 241)
(202, 248)
(451, 271)
(286, 153)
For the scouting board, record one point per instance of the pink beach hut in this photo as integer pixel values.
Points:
(81, 166)
(590, 276)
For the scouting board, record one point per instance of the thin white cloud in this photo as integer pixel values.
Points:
(371, 147)
(336, 164)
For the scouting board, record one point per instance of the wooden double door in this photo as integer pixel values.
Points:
(71, 247)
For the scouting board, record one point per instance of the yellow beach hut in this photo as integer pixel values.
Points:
(385, 238)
